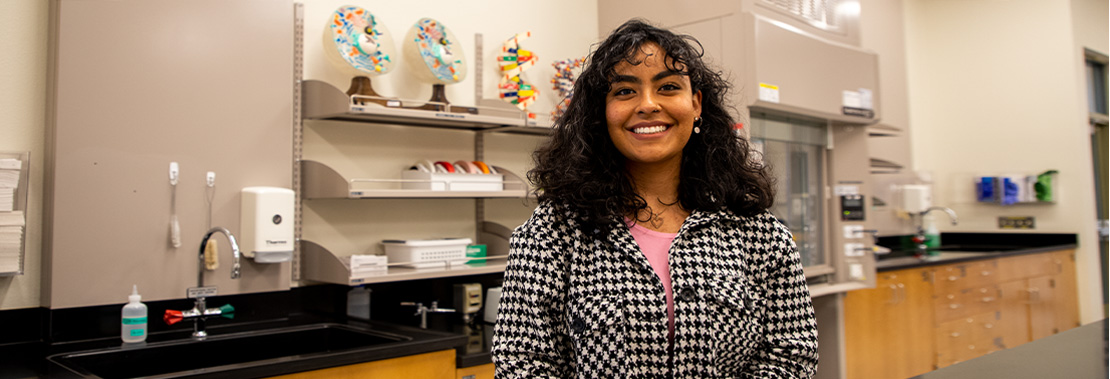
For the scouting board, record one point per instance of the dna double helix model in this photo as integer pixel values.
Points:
(513, 60)
(563, 83)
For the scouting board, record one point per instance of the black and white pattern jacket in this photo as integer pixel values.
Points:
(573, 305)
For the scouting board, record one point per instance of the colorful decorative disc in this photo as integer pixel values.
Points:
(433, 46)
(358, 43)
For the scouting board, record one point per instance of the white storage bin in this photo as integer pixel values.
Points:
(452, 182)
(427, 253)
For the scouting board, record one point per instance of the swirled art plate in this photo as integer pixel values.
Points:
(434, 47)
(358, 43)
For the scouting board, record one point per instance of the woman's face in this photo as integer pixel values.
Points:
(650, 109)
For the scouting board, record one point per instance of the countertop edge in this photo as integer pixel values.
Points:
(976, 257)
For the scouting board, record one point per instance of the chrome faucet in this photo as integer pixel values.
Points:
(200, 292)
(919, 238)
(423, 311)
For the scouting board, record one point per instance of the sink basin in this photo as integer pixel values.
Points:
(977, 248)
(225, 353)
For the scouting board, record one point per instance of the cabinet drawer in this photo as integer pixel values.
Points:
(966, 338)
(956, 277)
(966, 302)
(1027, 266)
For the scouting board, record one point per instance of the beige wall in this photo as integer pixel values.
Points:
(22, 103)
(995, 89)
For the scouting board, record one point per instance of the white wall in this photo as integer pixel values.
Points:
(23, 28)
(995, 88)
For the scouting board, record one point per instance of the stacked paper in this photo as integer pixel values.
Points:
(11, 241)
(366, 265)
(9, 181)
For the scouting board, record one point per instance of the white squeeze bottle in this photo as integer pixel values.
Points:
(133, 328)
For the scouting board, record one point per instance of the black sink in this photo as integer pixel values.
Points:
(977, 248)
(225, 352)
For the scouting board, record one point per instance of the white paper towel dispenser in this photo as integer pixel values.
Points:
(266, 215)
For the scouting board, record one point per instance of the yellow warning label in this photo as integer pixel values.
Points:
(768, 86)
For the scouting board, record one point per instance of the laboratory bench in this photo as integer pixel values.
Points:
(978, 294)
(290, 324)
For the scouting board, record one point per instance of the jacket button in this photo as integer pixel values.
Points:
(578, 325)
(686, 294)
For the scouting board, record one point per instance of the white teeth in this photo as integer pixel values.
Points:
(650, 129)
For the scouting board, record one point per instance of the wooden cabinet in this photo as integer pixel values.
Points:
(916, 320)
(888, 329)
(437, 364)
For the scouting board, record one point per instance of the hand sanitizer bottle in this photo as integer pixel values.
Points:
(133, 328)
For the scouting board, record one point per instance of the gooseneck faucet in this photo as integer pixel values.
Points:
(200, 292)
(919, 238)
(204, 244)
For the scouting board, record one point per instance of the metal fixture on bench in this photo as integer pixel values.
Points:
(199, 312)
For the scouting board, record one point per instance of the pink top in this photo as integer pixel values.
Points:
(655, 246)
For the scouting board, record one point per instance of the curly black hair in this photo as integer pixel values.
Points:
(580, 168)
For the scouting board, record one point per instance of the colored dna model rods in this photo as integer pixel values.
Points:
(513, 61)
(563, 83)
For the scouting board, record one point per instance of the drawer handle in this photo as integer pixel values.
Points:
(986, 273)
(953, 306)
(971, 347)
(988, 326)
(988, 299)
(955, 334)
(952, 278)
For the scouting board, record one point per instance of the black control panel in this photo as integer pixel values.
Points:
(851, 207)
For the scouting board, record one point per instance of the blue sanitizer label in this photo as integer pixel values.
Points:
(137, 332)
(134, 320)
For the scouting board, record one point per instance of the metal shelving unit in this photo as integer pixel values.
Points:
(322, 101)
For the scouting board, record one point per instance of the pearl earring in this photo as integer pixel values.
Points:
(697, 122)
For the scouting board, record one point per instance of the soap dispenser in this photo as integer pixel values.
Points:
(133, 328)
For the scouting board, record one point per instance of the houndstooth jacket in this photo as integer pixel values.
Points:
(573, 305)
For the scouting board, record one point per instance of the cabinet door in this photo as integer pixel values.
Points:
(1042, 307)
(1066, 294)
(1014, 325)
(888, 330)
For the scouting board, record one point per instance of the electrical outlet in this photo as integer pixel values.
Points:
(853, 231)
(1012, 222)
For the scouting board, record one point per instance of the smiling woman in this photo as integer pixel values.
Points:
(652, 252)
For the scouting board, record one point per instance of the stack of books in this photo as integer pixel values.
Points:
(11, 220)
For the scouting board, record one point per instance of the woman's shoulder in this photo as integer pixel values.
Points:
(550, 215)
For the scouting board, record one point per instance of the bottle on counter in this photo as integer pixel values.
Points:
(133, 327)
(932, 235)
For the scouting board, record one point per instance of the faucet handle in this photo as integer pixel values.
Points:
(235, 270)
(435, 308)
(420, 308)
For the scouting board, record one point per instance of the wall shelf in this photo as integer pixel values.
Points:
(323, 101)
(317, 180)
(322, 182)
(321, 265)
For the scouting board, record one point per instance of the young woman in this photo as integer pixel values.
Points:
(651, 253)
